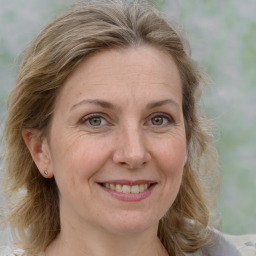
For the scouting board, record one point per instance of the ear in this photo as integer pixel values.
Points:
(39, 150)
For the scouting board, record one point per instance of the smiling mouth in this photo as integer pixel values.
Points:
(127, 189)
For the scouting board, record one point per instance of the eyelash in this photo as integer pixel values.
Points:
(86, 119)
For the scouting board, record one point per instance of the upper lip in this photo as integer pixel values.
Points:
(128, 182)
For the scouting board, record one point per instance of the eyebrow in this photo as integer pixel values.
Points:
(101, 103)
(106, 104)
(161, 103)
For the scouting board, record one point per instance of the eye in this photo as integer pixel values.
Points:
(94, 120)
(157, 120)
(160, 120)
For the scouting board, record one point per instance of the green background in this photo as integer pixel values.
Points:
(222, 35)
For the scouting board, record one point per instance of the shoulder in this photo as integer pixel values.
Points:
(17, 252)
(218, 246)
(9, 251)
(245, 243)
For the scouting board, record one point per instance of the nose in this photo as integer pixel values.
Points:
(131, 150)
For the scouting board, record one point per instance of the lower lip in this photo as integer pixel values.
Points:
(130, 197)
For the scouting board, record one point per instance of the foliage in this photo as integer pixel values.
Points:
(158, 3)
(223, 36)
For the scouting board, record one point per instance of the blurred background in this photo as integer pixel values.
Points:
(222, 36)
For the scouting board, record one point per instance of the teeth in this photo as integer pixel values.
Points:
(118, 188)
(135, 189)
(141, 187)
(112, 186)
(126, 189)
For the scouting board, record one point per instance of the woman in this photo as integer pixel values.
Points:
(105, 151)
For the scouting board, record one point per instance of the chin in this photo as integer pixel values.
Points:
(134, 224)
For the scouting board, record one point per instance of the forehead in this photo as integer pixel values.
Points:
(143, 69)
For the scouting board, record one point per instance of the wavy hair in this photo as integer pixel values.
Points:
(85, 29)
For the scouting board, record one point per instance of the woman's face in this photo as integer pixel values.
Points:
(117, 143)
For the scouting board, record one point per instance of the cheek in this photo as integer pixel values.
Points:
(172, 156)
(171, 160)
(79, 158)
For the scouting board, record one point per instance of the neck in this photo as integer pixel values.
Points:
(89, 241)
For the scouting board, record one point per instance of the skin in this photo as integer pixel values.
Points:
(137, 134)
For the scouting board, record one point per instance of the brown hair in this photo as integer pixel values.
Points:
(60, 47)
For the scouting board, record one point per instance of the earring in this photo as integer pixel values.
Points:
(45, 172)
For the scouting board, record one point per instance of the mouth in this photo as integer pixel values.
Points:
(127, 189)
